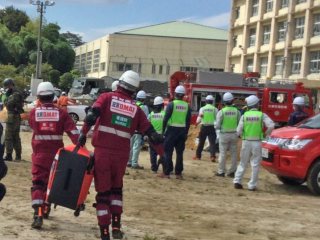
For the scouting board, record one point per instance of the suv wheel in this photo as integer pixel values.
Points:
(290, 181)
(314, 178)
(74, 117)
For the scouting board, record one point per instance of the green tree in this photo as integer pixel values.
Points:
(74, 40)
(13, 18)
(66, 81)
(51, 32)
(54, 77)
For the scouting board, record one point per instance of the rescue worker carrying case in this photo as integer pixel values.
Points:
(70, 178)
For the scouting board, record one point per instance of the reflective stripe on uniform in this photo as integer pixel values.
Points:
(74, 132)
(48, 137)
(114, 131)
(116, 203)
(37, 202)
(102, 213)
(177, 125)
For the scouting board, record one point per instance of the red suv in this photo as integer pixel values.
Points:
(293, 154)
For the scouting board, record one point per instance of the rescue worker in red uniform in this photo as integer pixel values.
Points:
(116, 117)
(48, 124)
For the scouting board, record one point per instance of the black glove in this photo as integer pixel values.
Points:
(82, 140)
(156, 138)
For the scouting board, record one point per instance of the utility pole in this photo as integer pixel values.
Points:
(41, 8)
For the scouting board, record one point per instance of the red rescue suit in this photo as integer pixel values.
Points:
(119, 118)
(48, 124)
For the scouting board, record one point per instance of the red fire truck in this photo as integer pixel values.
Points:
(276, 96)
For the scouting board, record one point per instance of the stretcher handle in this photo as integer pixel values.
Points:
(76, 149)
(90, 163)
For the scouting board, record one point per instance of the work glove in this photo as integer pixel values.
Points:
(145, 138)
(156, 138)
(82, 139)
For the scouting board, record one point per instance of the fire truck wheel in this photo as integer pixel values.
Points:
(290, 181)
(314, 178)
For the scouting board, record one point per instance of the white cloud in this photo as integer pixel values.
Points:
(220, 21)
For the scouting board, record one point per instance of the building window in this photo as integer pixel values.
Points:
(168, 69)
(188, 69)
(316, 25)
(255, 8)
(102, 66)
(153, 69)
(121, 67)
(237, 13)
(284, 3)
(263, 66)
(266, 34)
(160, 69)
(89, 62)
(96, 60)
(315, 62)
(300, 1)
(269, 5)
(250, 65)
(299, 28)
(252, 37)
(296, 63)
(279, 65)
(282, 27)
(235, 41)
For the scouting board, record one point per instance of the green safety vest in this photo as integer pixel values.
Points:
(139, 104)
(179, 114)
(156, 120)
(209, 115)
(252, 125)
(230, 117)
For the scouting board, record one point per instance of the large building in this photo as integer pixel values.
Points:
(278, 38)
(154, 51)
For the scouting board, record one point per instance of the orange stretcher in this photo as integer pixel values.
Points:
(70, 178)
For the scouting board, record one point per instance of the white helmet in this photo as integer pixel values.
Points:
(227, 97)
(141, 94)
(129, 80)
(45, 88)
(298, 101)
(252, 100)
(158, 100)
(63, 93)
(114, 85)
(209, 98)
(180, 89)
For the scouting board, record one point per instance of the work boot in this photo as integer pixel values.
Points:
(213, 159)
(231, 175)
(220, 174)
(116, 225)
(8, 157)
(138, 167)
(18, 157)
(2, 191)
(37, 218)
(196, 158)
(238, 186)
(104, 231)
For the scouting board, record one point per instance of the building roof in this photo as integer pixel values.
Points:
(180, 29)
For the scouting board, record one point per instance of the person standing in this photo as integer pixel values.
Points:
(136, 140)
(156, 118)
(227, 121)
(207, 117)
(13, 101)
(250, 127)
(116, 118)
(48, 124)
(63, 101)
(176, 124)
(298, 114)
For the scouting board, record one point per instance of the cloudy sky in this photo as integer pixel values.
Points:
(95, 18)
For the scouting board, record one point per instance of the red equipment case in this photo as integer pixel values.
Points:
(70, 178)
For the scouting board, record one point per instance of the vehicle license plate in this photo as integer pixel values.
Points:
(265, 153)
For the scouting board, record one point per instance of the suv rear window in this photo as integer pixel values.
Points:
(311, 123)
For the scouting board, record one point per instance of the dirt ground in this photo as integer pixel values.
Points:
(202, 206)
